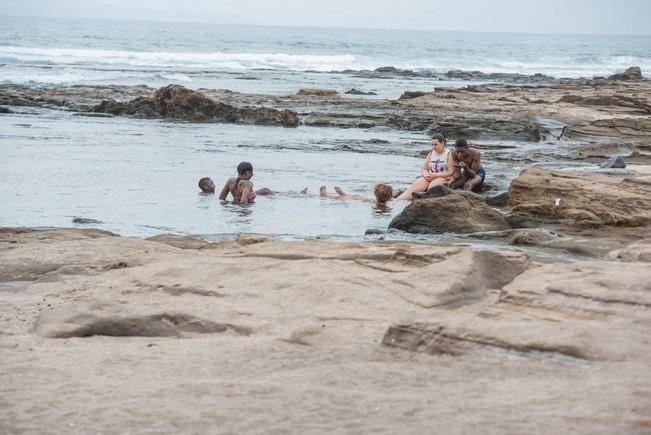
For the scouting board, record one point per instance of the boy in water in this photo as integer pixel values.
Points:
(383, 194)
(207, 185)
(469, 173)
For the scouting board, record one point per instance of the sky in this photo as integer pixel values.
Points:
(534, 16)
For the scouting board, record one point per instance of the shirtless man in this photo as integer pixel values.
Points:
(468, 173)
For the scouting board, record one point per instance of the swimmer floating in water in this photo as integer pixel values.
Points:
(383, 194)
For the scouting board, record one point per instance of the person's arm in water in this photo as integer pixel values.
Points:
(224, 193)
(424, 170)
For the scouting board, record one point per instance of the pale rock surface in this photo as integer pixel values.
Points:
(580, 200)
(256, 335)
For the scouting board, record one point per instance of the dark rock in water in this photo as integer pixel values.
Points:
(4, 110)
(462, 212)
(317, 92)
(93, 115)
(83, 220)
(631, 74)
(386, 72)
(499, 200)
(505, 77)
(179, 103)
(395, 71)
(373, 231)
(408, 95)
(614, 162)
(354, 91)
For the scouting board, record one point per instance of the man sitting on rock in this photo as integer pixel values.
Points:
(469, 173)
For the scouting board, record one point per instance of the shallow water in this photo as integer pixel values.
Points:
(139, 177)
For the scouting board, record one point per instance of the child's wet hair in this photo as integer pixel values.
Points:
(383, 193)
(243, 167)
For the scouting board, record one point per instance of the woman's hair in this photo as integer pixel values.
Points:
(243, 167)
(383, 193)
(439, 137)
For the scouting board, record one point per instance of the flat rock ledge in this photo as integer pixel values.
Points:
(286, 327)
(581, 200)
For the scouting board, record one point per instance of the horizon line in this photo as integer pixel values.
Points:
(334, 27)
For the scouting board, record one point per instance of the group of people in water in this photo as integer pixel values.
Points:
(455, 168)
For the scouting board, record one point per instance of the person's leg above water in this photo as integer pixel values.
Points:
(264, 191)
(475, 182)
(419, 185)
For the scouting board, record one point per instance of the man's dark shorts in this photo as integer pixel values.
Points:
(482, 173)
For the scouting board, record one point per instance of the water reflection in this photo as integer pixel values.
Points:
(244, 211)
(381, 210)
(205, 200)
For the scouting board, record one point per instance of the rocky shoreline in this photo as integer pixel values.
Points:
(154, 333)
(592, 118)
(176, 326)
(102, 333)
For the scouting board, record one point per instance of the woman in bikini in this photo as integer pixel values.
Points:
(437, 168)
(241, 187)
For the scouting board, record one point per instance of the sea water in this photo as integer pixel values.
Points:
(139, 177)
(280, 60)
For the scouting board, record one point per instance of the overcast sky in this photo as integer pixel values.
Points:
(538, 16)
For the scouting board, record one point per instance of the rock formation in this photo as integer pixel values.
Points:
(179, 103)
(286, 328)
(455, 212)
(580, 200)
(632, 73)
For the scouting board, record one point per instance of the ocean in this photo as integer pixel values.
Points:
(280, 60)
(138, 177)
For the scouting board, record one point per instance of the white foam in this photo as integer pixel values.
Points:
(176, 60)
